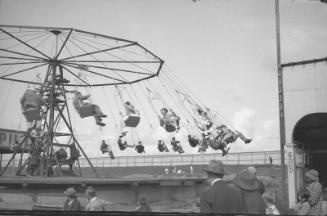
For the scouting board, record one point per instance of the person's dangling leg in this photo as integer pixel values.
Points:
(242, 137)
(111, 154)
(98, 121)
(98, 111)
(123, 129)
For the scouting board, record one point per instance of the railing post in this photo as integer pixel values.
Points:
(238, 159)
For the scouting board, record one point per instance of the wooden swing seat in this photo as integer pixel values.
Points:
(86, 111)
(32, 115)
(170, 128)
(132, 121)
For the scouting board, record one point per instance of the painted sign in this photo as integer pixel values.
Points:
(10, 138)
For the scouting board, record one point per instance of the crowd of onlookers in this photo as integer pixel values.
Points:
(244, 194)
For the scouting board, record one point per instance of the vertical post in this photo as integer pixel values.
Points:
(238, 159)
(281, 103)
(14, 164)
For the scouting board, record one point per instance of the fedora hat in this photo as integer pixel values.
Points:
(215, 166)
(71, 192)
(246, 181)
(313, 175)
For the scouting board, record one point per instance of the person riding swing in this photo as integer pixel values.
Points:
(107, 148)
(229, 136)
(123, 144)
(139, 148)
(218, 144)
(192, 140)
(80, 105)
(206, 123)
(130, 119)
(169, 120)
(31, 103)
(162, 147)
(176, 145)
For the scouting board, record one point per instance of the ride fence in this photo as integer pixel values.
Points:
(241, 158)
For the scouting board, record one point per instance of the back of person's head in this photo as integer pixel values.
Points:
(252, 170)
(214, 175)
(215, 169)
(165, 110)
(143, 201)
(90, 191)
(304, 193)
(128, 103)
(270, 197)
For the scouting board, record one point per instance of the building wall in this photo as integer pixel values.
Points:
(305, 92)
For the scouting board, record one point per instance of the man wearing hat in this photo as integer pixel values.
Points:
(95, 203)
(316, 193)
(71, 203)
(220, 198)
(247, 184)
(261, 186)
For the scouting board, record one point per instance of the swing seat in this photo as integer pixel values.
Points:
(170, 128)
(32, 115)
(132, 120)
(86, 111)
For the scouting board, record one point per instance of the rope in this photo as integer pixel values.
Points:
(151, 126)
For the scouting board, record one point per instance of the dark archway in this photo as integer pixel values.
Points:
(310, 134)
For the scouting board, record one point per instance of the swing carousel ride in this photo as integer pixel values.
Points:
(69, 76)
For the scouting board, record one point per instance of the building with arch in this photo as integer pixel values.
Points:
(305, 108)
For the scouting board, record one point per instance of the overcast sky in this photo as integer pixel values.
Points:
(224, 50)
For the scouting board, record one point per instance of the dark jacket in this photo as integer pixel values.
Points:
(74, 206)
(253, 202)
(221, 198)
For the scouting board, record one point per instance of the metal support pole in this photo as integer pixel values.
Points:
(281, 105)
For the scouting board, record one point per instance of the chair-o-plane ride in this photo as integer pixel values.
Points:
(61, 72)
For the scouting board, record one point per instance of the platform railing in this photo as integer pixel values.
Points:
(241, 158)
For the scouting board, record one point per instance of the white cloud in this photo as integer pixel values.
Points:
(244, 121)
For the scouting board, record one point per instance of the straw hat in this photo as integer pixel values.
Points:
(246, 181)
(216, 167)
(71, 192)
(313, 175)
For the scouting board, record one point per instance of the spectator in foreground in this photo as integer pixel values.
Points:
(94, 203)
(316, 193)
(72, 203)
(143, 206)
(261, 186)
(220, 198)
(247, 185)
(270, 200)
